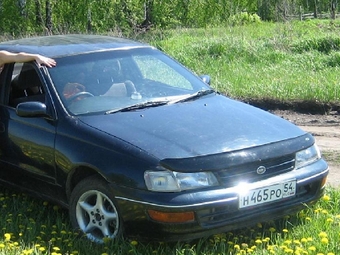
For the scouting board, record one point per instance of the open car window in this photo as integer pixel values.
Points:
(25, 85)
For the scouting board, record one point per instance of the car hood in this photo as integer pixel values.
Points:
(208, 125)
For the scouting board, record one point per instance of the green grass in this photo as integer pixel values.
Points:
(281, 61)
(33, 226)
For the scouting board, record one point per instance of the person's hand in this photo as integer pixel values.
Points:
(41, 60)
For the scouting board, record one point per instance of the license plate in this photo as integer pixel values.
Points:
(267, 194)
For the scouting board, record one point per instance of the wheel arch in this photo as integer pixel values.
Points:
(79, 174)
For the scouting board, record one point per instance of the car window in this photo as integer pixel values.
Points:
(25, 85)
(98, 82)
(154, 69)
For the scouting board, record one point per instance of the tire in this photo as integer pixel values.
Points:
(93, 210)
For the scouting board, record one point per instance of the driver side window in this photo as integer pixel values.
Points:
(25, 85)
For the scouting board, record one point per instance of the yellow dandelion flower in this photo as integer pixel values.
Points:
(308, 219)
(287, 242)
(134, 243)
(322, 234)
(2, 245)
(289, 251)
(106, 239)
(258, 241)
(267, 239)
(272, 230)
(324, 212)
(285, 230)
(329, 220)
(237, 247)
(317, 210)
(304, 240)
(326, 198)
(324, 240)
(309, 239)
(42, 249)
(7, 237)
(244, 246)
(297, 242)
(330, 253)
(312, 248)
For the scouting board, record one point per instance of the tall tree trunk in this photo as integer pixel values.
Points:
(22, 5)
(49, 23)
(38, 15)
(316, 9)
(333, 9)
(147, 13)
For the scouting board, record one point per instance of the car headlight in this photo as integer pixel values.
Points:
(307, 156)
(168, 181)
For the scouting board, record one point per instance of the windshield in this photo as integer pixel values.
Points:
(109, 81)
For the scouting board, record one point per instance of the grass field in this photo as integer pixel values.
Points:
(288, 61)
(282, 61)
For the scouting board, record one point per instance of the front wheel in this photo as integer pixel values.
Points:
(93, 210)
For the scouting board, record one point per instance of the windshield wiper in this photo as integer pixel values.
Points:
(138, 106)
(196, 95)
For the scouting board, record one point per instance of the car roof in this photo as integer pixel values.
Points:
(65, 45)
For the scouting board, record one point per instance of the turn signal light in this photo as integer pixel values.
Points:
(323, 182)
(177, 217)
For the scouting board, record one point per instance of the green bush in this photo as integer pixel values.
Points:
(243, 18)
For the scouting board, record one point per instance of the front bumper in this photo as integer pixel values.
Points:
(217, 210)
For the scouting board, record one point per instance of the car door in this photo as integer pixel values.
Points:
(27, 143)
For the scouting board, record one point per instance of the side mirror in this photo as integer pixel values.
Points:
(31, 109)
(205, 78)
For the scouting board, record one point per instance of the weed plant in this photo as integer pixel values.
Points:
(281, 61)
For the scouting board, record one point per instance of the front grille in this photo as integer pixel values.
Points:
(232, 176)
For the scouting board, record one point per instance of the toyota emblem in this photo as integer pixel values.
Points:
(261, 170)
